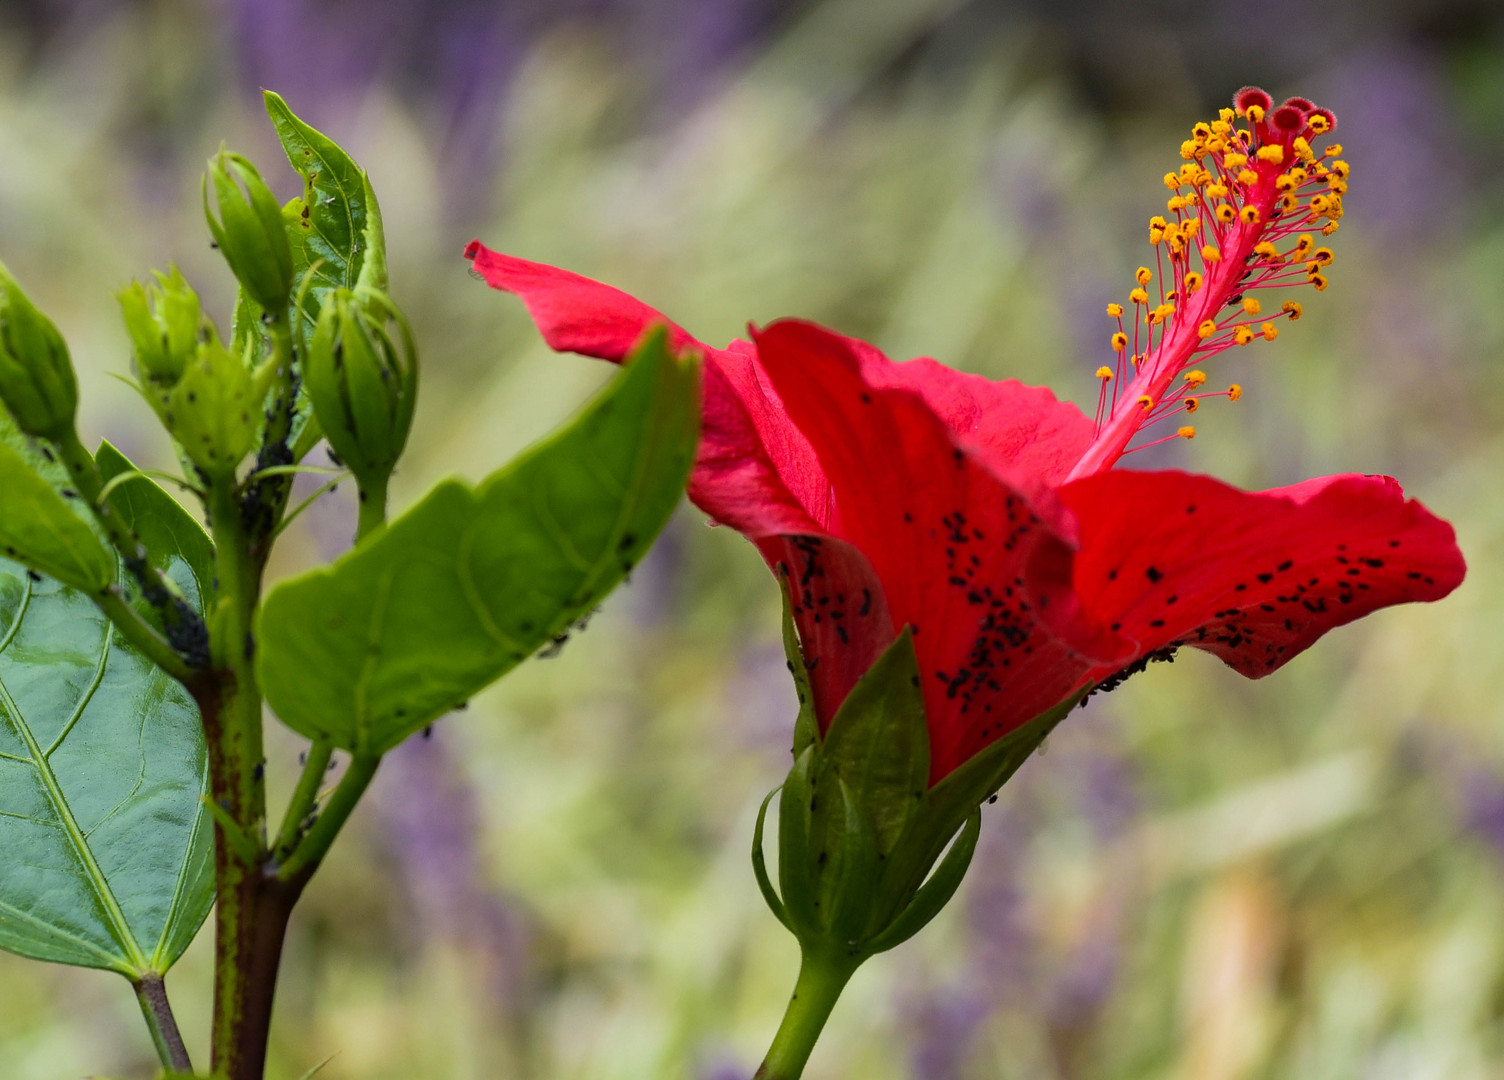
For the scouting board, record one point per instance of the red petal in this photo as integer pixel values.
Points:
(953, 541)
(1008, 424)
(840, 610)
(1255, 577)
(573, 313)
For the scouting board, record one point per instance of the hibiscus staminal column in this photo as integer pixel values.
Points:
(1243, 217)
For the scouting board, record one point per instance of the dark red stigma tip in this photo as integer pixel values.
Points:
(1249, 96)
(1305, 105)
(1288, 119)
(472, 249)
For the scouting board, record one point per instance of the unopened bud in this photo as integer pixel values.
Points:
(163, 320)
(37, 383)
(362, 383)
(212, 409)
(249, 229)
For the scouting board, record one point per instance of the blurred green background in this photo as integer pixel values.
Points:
(1202, 879)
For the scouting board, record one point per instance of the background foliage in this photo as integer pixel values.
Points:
(1202, 878)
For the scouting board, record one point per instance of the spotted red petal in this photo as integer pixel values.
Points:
(1171, 558)
(952, 539)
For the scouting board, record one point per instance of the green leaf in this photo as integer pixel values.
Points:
(879, 741)
(38, 526)
(106, 854)
(471, 581)
(337, 222)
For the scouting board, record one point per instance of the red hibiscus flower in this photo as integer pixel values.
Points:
(987, 515)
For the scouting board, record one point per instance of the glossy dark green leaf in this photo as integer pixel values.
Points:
(473, 580)
(105, 849)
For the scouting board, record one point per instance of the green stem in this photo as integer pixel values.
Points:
(142, 635)
(315, 766)
(269, 493)
(821, 980)
(372, 511)
(305, 858)
(151, 993)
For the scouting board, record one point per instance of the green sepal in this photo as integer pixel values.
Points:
(879, 741)
(935, 893)
(39, 527)
(794, 859)
(163, 321)
(849, 888)
(214, 410)
(806, 725)
(760, 863)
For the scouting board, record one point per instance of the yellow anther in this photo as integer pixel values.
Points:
(1299, 175)
(1319, 124)
(1221, 126)
(1284, 182)
(1104, 373)
(1249, 215)
(1248, 178)
(1191, 226)
(1210, 253)
(1234, 161)
(1320, 204)
(1175, 205)
(1136, 359)
(1255, 113)
(1192, 404)
(1226, 214)
(1114, 311)
(1161, 313)
(1266, 250)
(1206, 329)
(1336, 185)
(1226, 116)
(1138, 296)
(1146, 402)
(1201, 131)
(1216, 191)
(1187, 432)
(1272, 154)
(1156, 222)
(1188, 173)
(1329, 228)
(1335, 150)
(1192, 281)
(1340, 168)
(1288, 202)
(1156, 234)
(1242, 335)
(1119, 341)
(1197, 378)
(1313, 267)
(1292, 308)
(1191, 198)
(1270, 331)
(1188, 150)
(1302, 149)
(1303, 246)
(1322, 256)
(1143, 275)
(1251, 305)
(1234, 392)
(1215, 145)
(1172, 181)
(1319, 280)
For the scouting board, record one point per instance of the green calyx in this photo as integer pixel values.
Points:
(863, 863)
(37, 383)
(249, 230)
(213, 408)
(163, 320)
(363, 382)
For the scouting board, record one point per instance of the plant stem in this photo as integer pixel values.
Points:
(250, 918)
(142, 635)
(152, 995)
(315, 766)
(305, 858)
(821, 980)
(372, 511)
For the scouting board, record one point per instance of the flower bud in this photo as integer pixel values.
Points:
(249, 229)
(37, 383)
(212, 409)
(163, 320)
(363, 385)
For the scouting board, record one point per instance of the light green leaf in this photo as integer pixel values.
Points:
(38, 527)
(471, 581)
(105, 850)
(337, 223)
